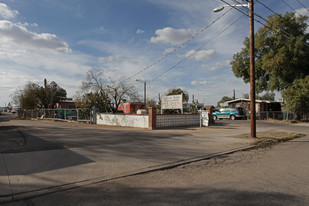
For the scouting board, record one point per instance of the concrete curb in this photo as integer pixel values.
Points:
(44, 191)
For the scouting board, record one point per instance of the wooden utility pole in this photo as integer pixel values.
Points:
(145, 93)
(252, 70)
(45, 90)
(252, 63)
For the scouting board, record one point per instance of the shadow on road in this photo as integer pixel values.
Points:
(41, 162)
(120, 195)
(25, 154)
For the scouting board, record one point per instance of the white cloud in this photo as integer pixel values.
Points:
(139, 31)
(217, 66)
(169, 50)
(200, 55)
(101, 29)
(18, 66)
(25, 24)
(303, 11)
(199, 83)
(20, 35)
(6, 12)
(189, 13)
(115, 61)
(114, 58)
(172, 36)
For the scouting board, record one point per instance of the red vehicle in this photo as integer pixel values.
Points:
(131, 108)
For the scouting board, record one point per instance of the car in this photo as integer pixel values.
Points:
(119, 111)
(229, 113)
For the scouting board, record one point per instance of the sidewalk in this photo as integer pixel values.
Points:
(31, 173)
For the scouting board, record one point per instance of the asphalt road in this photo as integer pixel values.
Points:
(49, 135)
(37, 156)
(272, 176)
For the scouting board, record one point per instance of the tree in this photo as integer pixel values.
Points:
(194, 107)
(50, 94)
(151, 103)
(267, 96)
(92, 92)
(224, 99)
(297, 96)
(118, 91)
(177, 91)
(27, 98)
(281, 53)
(246, 96)
(105, 94)
(32, 96)
(89, 100)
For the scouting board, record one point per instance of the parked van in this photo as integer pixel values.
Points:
(229, 113)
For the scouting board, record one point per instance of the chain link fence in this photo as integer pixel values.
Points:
(279, 115)
(56, 114)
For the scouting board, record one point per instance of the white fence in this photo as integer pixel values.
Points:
(140, 121)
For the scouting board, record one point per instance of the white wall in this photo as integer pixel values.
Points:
(123, 120)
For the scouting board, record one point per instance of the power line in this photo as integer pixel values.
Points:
(273, 10)
(187, 57)
(290, 7)
(232, 7)
(267, 7)
(174, 50)
(286, 33)
(303, 5)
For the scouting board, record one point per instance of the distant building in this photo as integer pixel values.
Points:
(260, 105)
(66, 104)
(132, 107)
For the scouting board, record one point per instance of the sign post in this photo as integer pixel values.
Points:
(204, 118)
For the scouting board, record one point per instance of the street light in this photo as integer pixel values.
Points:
(143, 81)
(252, 62)
(218, 9)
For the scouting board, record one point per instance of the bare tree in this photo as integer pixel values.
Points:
(109, 93)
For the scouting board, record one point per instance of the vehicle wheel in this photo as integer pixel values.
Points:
(232, 117)
(214, 117)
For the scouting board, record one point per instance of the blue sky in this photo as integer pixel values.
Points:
(60, 40)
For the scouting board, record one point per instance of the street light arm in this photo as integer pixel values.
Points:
(140, 80)
(218, 9)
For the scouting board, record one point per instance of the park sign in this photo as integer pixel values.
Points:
(171, 102)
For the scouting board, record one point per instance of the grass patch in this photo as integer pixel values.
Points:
(266, 139)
